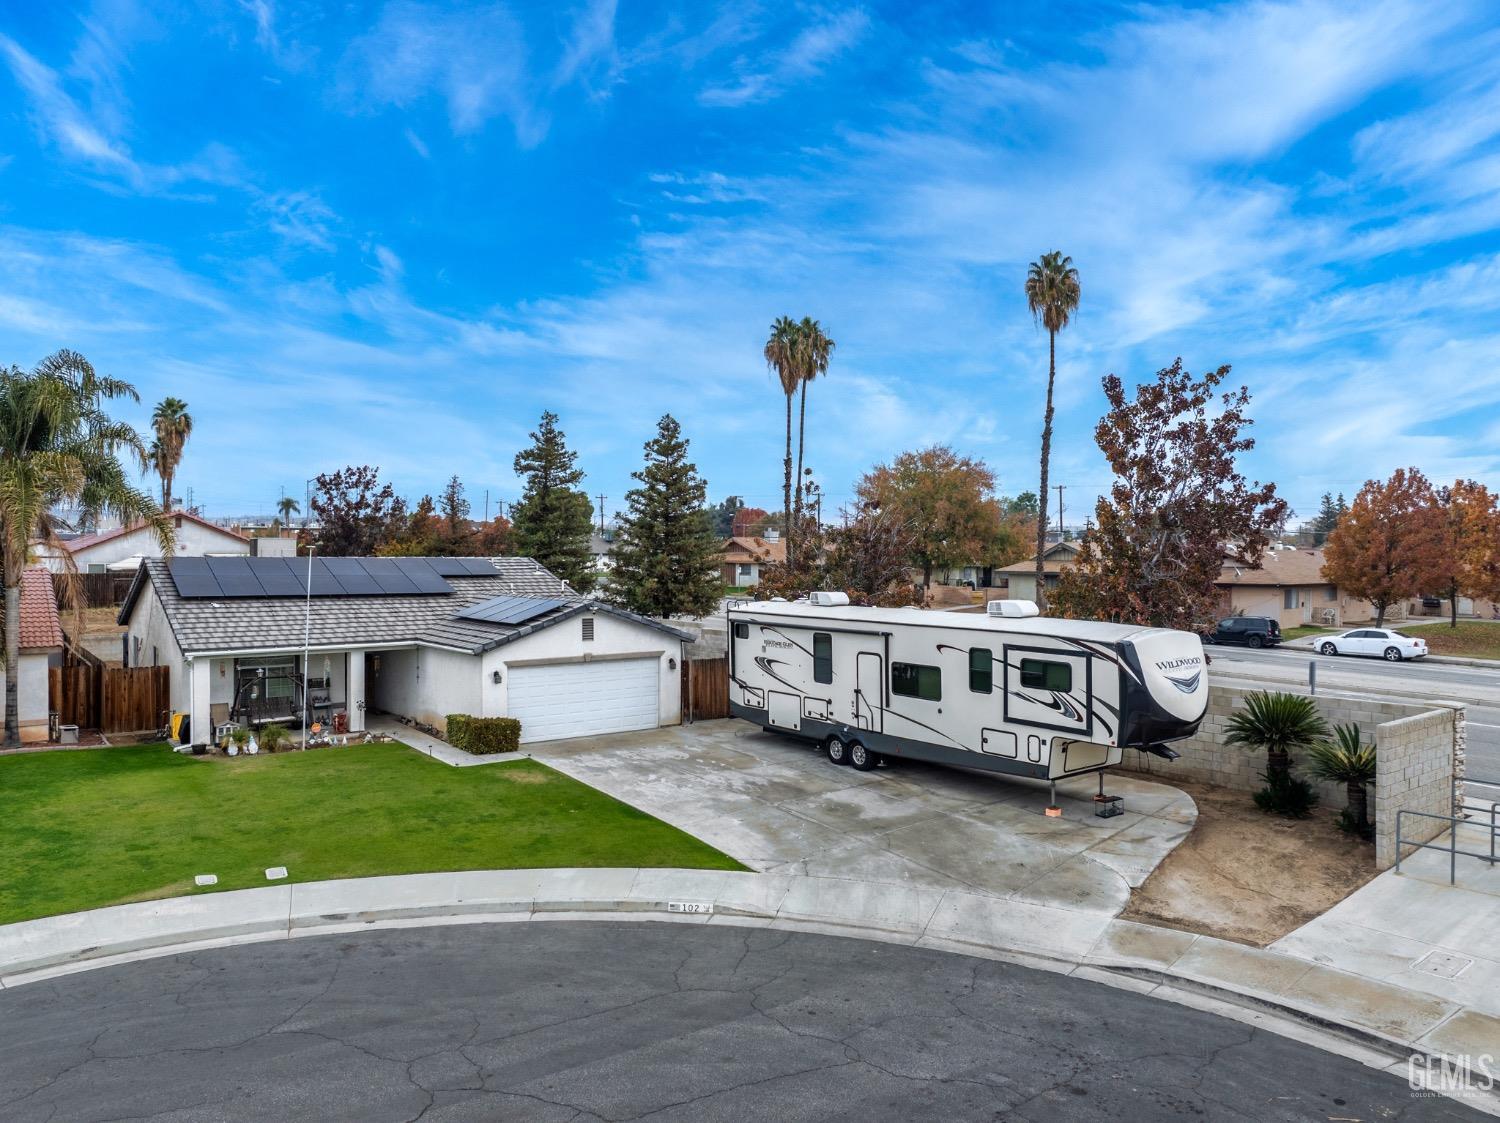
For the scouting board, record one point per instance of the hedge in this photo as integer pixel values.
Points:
(484, 735)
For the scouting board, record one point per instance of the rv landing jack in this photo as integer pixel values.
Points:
(1053, 810)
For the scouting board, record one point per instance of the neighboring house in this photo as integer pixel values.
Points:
(418, 637)
(1021, 575)
(41, 649)
(601, 549)
(742, 557)
(123, 549)
(1289, 587)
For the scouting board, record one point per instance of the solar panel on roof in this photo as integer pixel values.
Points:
(509, 610)
(192, 578)
(288, 577)
(420, 572)
(280, 580)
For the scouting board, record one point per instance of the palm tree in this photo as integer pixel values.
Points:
(173, 426)
(1052, 295)
(286, 507)
(58, 446)
(1346, 760)
(781, 353)
(1277, 723)
(813, 352)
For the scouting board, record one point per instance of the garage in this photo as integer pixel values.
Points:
(584, 699)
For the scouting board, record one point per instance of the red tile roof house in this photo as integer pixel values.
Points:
(122, 549)
(41, 649)
(742, 557)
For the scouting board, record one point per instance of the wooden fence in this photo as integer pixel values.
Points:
(705, 689)
(98, 590)
(110, 699)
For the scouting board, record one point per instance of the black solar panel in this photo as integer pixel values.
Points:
(288, 577)
(509, 610)
(462, 567)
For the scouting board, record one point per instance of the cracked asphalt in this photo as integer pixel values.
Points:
(621, 1021)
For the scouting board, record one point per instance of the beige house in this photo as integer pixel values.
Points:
(1022, 574)
(1289, 587)
(742, 557)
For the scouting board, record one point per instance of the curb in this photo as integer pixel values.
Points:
(1383, 1025)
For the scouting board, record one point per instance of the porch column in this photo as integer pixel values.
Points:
(354, 691)
(200, 677)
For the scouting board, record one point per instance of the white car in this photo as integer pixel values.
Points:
(1386, 643)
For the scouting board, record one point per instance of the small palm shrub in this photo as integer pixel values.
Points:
(239, 737)
(275, 739)
(1278, 723)
(1347, 760)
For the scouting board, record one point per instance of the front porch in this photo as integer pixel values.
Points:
(258, 688)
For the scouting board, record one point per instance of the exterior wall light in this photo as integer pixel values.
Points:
(495, 677)
(671, 664)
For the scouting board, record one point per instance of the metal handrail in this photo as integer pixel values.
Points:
(1453, 850)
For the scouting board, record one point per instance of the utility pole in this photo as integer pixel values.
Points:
(486, 504)
(601, 498)
(1060, 531)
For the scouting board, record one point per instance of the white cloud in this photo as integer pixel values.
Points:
(589, 46)
(300, 217)
(812, 49)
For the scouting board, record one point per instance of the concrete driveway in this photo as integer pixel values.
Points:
(779, 806)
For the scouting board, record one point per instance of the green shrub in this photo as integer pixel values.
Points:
(484, 735)
(274, 738)
(1287, 795)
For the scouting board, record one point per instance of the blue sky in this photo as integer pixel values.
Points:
(395, 233)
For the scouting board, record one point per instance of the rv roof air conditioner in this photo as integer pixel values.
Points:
(829, 600)
(1014, 609)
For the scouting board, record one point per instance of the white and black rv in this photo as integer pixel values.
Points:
(1007, 690)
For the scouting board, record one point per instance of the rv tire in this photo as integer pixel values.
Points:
(862, 759)
(837, 750)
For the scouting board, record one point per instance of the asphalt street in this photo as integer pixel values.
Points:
(563, 1021)
(1477, 687)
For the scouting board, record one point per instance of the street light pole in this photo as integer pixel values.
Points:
(306, 638)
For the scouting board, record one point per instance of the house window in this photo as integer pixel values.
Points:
(588, 629)
(742, 631)
(981, 670)
(912, 680)
(1331, 593)
(1289, 598)
(274, 673)
(822, 657)
(745, 571)
(1038, 674)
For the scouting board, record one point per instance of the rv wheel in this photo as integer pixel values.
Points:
(838, 752)
(862, 758)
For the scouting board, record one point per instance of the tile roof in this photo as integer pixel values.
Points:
(746, 549)
(275, 623)
(83, 543)
(40, 626)
(1056, 558)
(1277, 567)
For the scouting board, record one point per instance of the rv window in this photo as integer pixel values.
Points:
(822, 657)
(912, 680)
(742, 631)
(981, 670)
(1038, 675)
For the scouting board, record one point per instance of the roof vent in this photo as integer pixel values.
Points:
(829, 600)
(1013, 609)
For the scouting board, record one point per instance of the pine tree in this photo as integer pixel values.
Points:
(666, 556)
(552, 521)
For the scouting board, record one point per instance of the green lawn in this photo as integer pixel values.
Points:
(1472, 639)
(1302, 631)
(86, 828)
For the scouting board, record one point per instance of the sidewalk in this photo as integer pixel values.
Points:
(431, 746)
(1351, 1009)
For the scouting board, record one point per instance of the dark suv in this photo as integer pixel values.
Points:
(1252, 631)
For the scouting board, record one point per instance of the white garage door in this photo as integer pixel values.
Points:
(582, 699)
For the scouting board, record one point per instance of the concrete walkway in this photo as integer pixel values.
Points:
(432, 747)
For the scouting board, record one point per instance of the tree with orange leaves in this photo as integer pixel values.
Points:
(1470, 561)
(1391, 544)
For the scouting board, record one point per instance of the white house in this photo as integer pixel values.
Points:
(417, 637)
(123, 548)
(41, 649)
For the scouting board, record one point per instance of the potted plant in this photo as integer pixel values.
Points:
(1347, 760)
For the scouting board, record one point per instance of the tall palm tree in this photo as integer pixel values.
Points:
(813, 352)
(1347, 760)
(286, 507)
(173, 426)
(1052, 294)
(781, 353)
(1278, 723)
(58, 446)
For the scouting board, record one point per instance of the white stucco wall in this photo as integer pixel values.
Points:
(426, 684)
(192, 540)
(148, 624)
(563, 642)
(33, 702)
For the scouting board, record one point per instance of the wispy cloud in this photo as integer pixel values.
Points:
(589, 50)
(300, 218)
(807, 54)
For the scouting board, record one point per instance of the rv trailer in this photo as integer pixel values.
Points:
(1007, 690)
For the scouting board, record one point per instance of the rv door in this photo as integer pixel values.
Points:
(869, 685)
